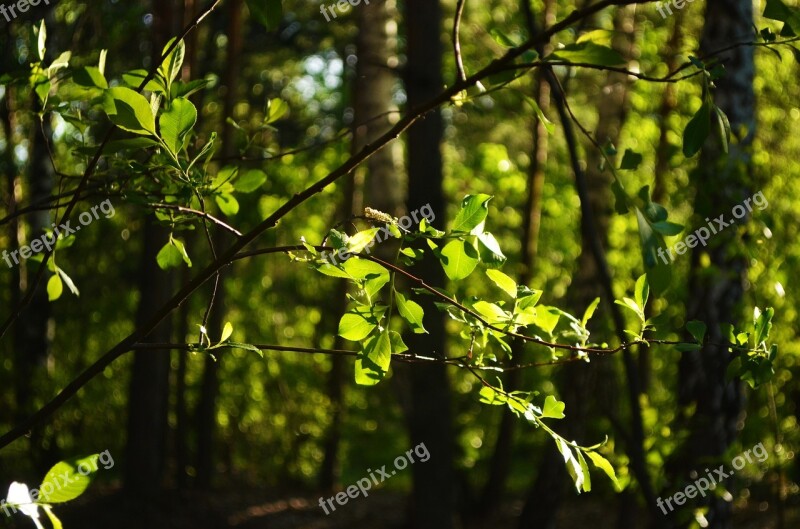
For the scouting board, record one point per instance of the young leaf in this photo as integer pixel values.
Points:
(226, 332)
(642, 291)
(490, 253)
(227, 204)
(630, 160)
(553, 408)
(361, 240)
(379, 351)
(182, 250)
(68, 479)
(573, 466)
(589, 312)
(129, 111)
(474, 209)
(459, 259)
(696, 132)
(90, 77)
(171, 66)
(697, 329)
(176, 123)
(506, 284)
(250, 181)
(357, 325)
(54, 288)
(412, 312)
(603, 464)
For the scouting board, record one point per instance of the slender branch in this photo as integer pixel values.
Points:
(202, 214)
(461, 73)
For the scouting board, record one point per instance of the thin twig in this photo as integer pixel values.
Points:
(461, 73)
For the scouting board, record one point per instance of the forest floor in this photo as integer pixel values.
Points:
(251, 510)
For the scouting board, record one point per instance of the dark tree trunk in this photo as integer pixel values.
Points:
(149, 386)
(723, 181)
(430, 417)
(207, 407)
(148, 401)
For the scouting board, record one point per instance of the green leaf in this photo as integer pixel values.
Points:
(176, 123)
(573, 465)
(697, 329)
(723, 128)
(135, 78)
(42, 33)
(66, 480)
(548, 125)
(553, 408)
(589, 311)
(169, 257)
(266, 12)
(489, 249)
(129, 111)
(459, 259)
(250, 181)
(697, 131)
(632, 305)
(587, 52)
(226, 332)
(659, 273)
(630, 160)
(491, 312)
(587, 478)
(361, 240)
(182, 250)
(547, 318)
(762, 324)
(371, 273)
(398, 345)
(54, 288)
(474, 210)
(506, 284)
(181, 89)
(68, 281)
(171, 67)
(667, 228)
(276, 109)
(227, 204)
(379, 351)
(412, 312)
(603, 464)
(621, 198)
(359, 323)
(91, 77)
(642, 291)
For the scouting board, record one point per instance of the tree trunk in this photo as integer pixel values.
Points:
(148, 401)
(722, 182)
(207, 407)
(430, 415)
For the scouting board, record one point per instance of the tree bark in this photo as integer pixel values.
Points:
(722, 182)
(430, 416)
